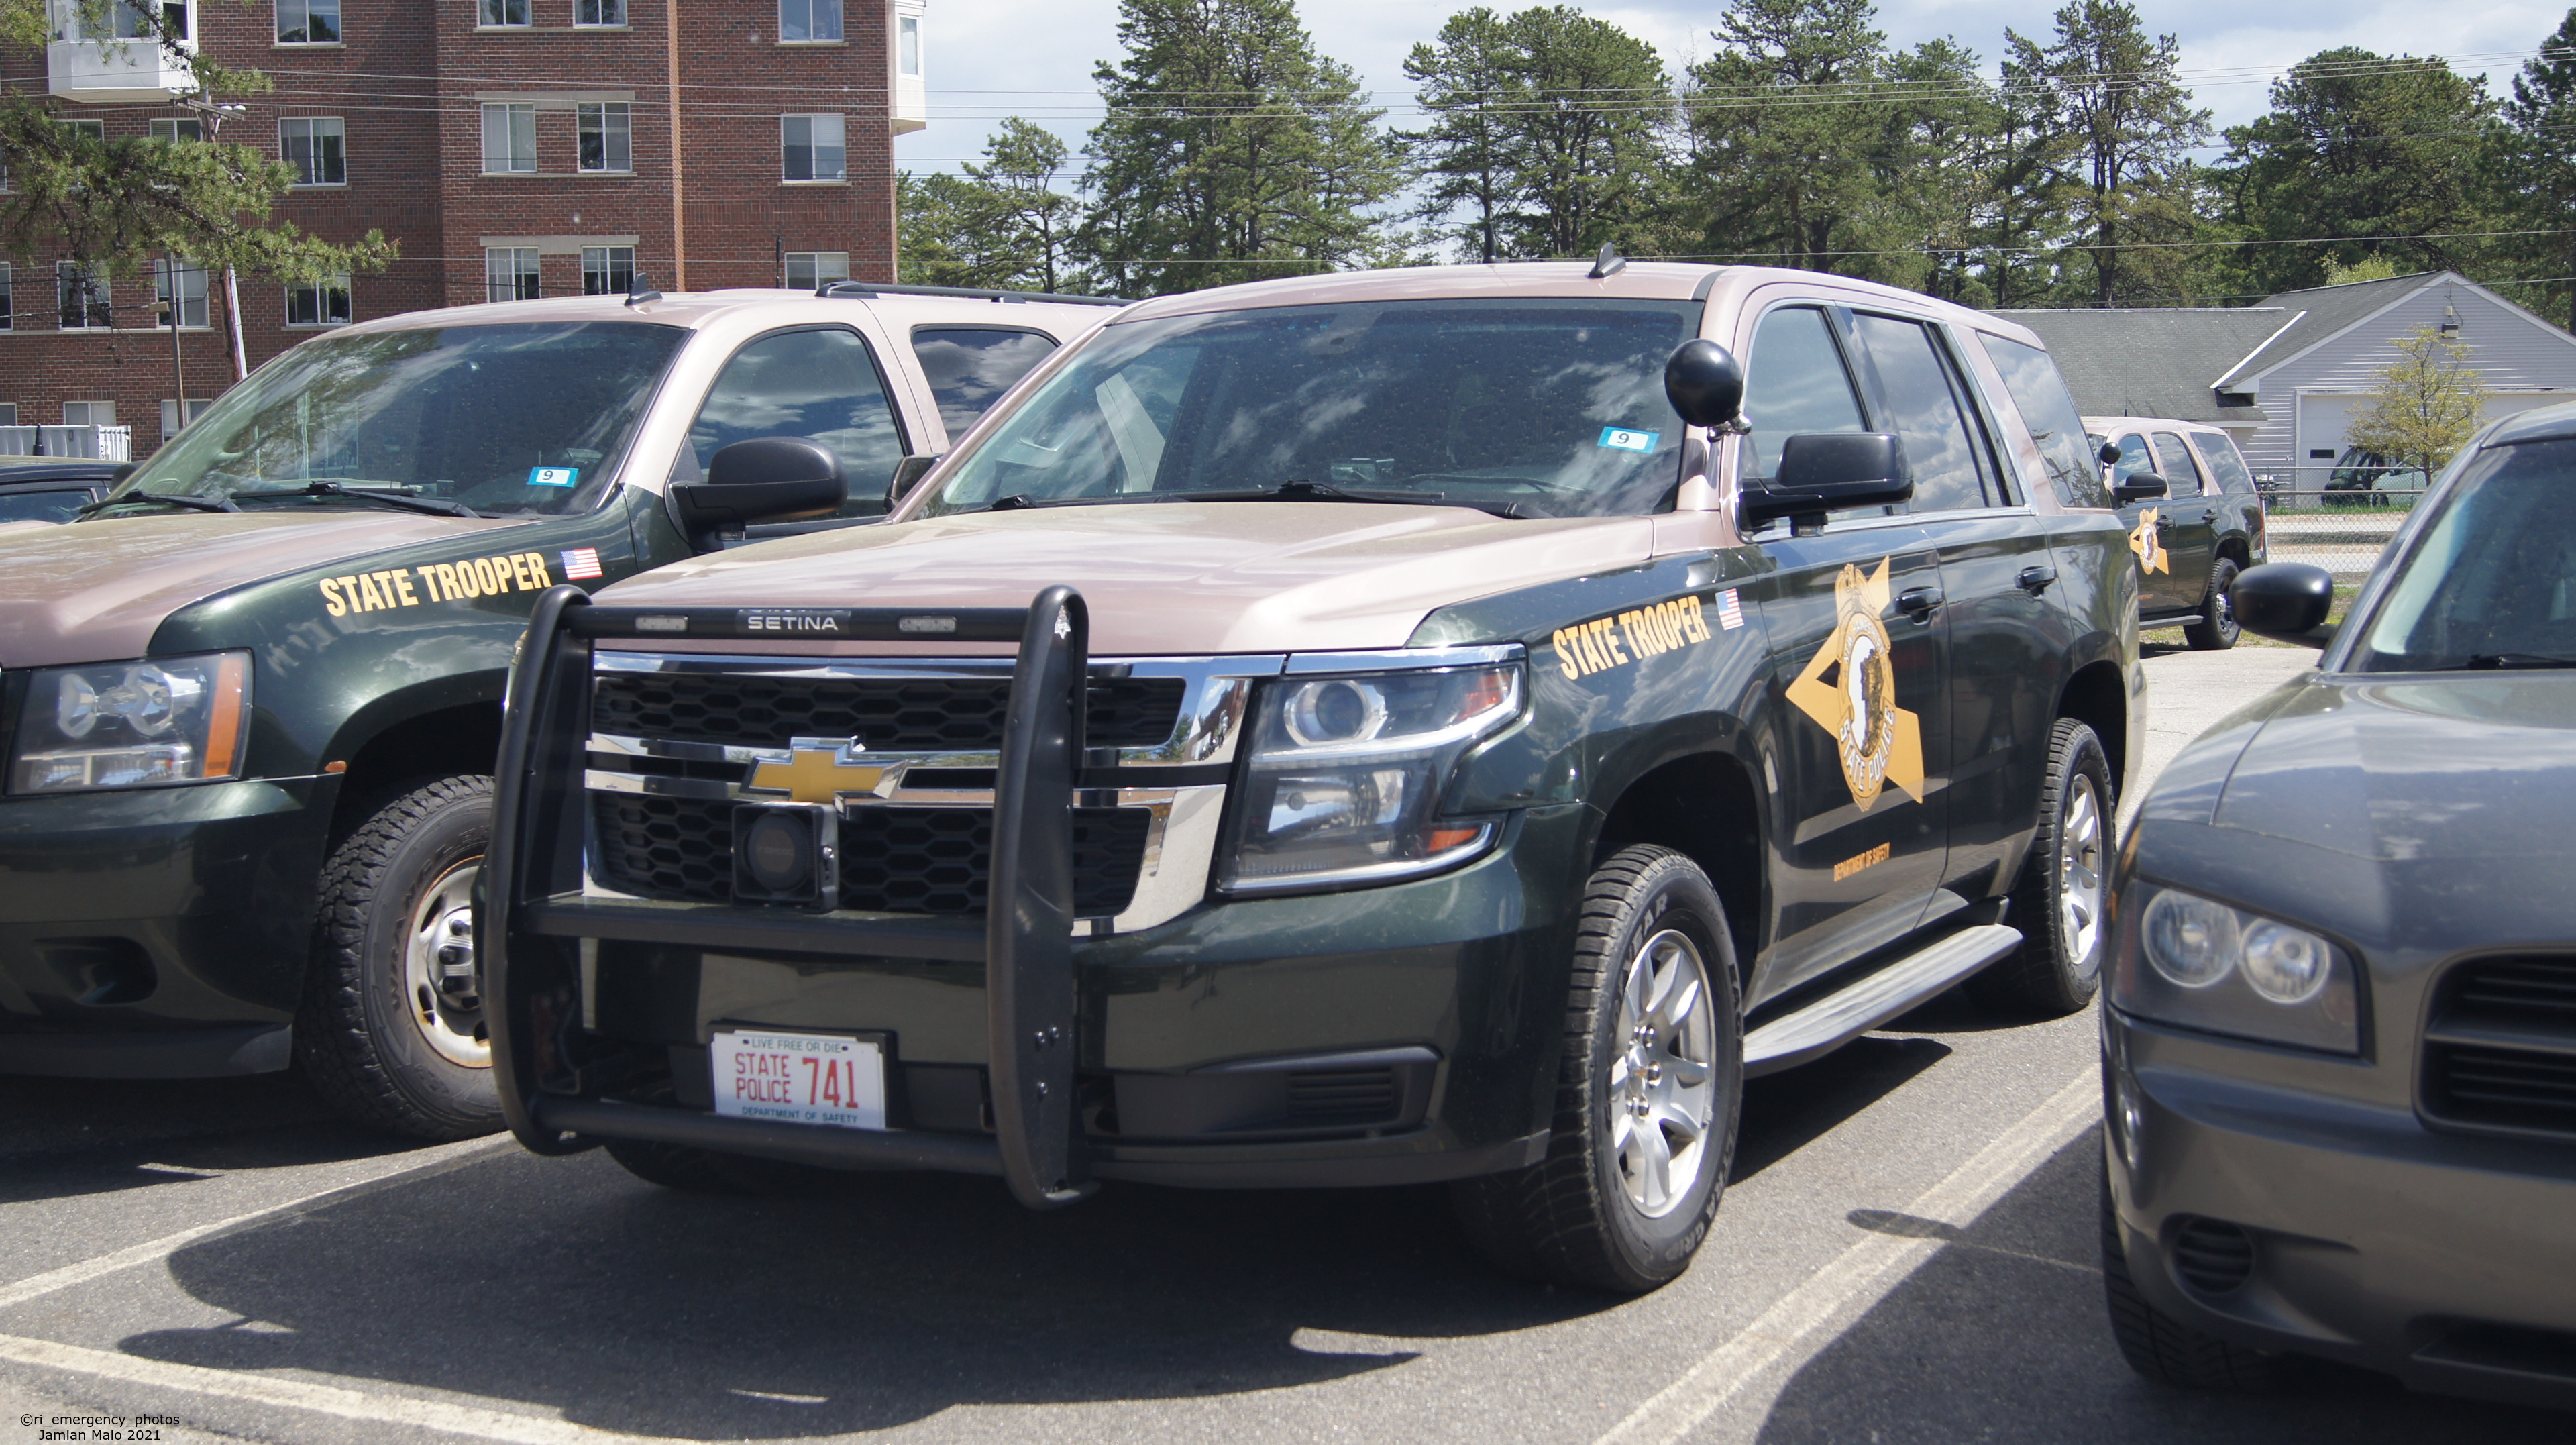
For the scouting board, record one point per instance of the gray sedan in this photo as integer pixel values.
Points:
(2340, 1038)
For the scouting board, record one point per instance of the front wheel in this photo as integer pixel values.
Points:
(1649, 1086)
(2217, 630)
(391, 1030)
(2065, 886)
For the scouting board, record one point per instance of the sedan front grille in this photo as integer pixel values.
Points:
(887, 714)
(2500, 1052)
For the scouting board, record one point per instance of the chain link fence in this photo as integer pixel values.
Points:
(2329, 517)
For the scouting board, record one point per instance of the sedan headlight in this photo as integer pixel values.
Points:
(132, 724)
(2194, 961)
(1346, 772)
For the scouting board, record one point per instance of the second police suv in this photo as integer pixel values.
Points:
(1409, 726)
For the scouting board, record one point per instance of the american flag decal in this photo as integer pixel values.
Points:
(1730, 612)
(583, 562)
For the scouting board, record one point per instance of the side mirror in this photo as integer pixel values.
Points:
(1824, 471)
(765, 479)
(1705, 383)
(2110, 454)
(2285, 600)
(907, 475)
(2140, 487)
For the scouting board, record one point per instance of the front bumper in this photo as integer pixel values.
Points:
(2443, 1259)
(157, 933)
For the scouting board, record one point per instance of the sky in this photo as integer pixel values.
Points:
(987, 59)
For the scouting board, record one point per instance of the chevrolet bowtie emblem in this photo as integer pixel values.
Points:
(817, 775)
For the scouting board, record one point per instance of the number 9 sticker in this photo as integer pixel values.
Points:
(1622, 439)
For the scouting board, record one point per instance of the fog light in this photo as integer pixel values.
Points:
(787, 853)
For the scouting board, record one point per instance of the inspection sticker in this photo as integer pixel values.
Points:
(581, 563)
(553, 476)
(1625, 440)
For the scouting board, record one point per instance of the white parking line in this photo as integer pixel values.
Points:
(1863, 1274)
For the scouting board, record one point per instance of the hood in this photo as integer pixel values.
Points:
(2428, 769)
(95, 591)
(1171, 578)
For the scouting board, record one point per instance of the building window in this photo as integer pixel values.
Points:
(509, 140)
(812, 148)
(606, 138)
(607, 270)
(326, 304)
(907, 45)
(315, 150)
(8, 413)
(510, 274)
(175, 129)
(599, 12)
(502, 12)
(8, 311)
(809, 269)
(192, 292)
(809, 20)
(308, 22)
(82, 297)
(89, 413)
(94, 129)
(170, 413)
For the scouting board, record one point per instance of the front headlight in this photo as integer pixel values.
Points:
(2194, 961)
(1345, 774)
(132, 724)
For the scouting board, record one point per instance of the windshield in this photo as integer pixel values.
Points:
(506, 420)
(1544, 407)
(2492, 581)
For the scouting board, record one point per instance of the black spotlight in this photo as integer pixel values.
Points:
(787, 853)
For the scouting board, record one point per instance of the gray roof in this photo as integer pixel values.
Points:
(2158, 361)
(2328, 309)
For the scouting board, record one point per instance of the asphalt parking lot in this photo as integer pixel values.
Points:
(1907, 1254)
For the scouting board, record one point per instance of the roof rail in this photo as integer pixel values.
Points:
(862, 290)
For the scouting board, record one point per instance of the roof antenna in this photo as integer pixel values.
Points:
(640, 290)
(1608, 263)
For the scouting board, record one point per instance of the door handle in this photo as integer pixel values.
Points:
(2036, 580)
(2211, 516)
(1919, 603)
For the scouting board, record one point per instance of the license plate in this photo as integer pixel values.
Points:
(794, 1078)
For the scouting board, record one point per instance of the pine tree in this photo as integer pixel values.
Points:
(1231, 151)
(1784, 125)
(1471, 85)
(2531, 167)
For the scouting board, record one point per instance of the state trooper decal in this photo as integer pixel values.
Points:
(1849, 688)
(2152, 556)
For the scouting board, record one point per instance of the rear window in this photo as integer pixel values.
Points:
(2219, 451)
(969, 367)
(2048, 408)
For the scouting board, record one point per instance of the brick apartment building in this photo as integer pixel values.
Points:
(514, 148)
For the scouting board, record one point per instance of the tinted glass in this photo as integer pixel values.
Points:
(821, 385)
(2492, 583)
(1796, 384)
(2175, 462)
(527, 418)
(41, 506)
(2134, 458)
(2225, 465)
(2048, 409)
(1541, 407)
(1924, 413)
(970, 367)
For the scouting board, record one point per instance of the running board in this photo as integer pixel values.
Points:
(2189, 619)
(1837, 1019)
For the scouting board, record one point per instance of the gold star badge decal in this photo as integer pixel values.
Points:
(813, 776)
(1849, 688)
(2152, 556)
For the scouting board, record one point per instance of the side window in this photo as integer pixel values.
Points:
(2225, 465)
(970, 367)
(41, 506)
(1924, 412)
(2177, 465)
(2048, 409)
(1797, 383)
(2134, 458)
(822, 385)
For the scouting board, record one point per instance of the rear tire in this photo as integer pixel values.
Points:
(2065, 883)
(2217, 630)
(1650, 1081)
(702, 1171)
(2162, 1348)
(390, 1032)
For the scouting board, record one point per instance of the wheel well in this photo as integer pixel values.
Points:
(1703, 807)
(434, 745)
(2234, 550)
(2095, 697)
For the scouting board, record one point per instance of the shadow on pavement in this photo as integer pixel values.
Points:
(2001, 1336)
(866, 1302)
(1786, 1112)
(60, 1138)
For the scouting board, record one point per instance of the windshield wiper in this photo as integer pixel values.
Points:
(434, 506)
(168, 499)
(2489, 660)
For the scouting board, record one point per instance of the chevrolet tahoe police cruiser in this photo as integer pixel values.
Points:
(1432, 725)
(276, 653)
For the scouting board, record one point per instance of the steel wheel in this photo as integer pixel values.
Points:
(438, 970)
(2079, 874)
(1660, 1097)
